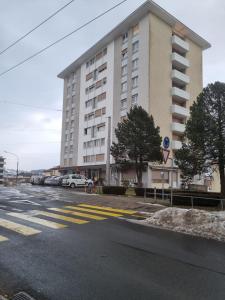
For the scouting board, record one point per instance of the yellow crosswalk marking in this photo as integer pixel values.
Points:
(80, 214)
(2, 238)
(60, 217)
(123, 211)
(22, 229)
(94, 211)
(36, 220)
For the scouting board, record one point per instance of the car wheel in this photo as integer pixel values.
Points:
(72, 185)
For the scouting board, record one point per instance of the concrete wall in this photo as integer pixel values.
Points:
(194, 71)
(160, 75)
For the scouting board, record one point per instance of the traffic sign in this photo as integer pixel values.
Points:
(166, 154)
(166, 142)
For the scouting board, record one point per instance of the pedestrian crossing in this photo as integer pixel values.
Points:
(56, 218)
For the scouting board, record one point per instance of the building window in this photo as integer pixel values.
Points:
(89, 117)
(100, 157)
(134, 99)
(65, 162)
(71, 148)
(125, 37)
(135, 30)
(102, 68)
(135, 47)
(98, 84)
(101, 127)
(124, 87)
(123, 103)
(102, 141)
(89, 76)
(73, 87)
(66, 150)
(103, 110)
(104, 81)
(95, 74)
(93, 131)
(70, 162)
(134, 82)
(135, 64)
(124, 70)
(88, 103)
(67, 125)
(72, 124)
(67, 114)
(73, 99)
(98, 113)
(124, 54)
(101, 97)
(72, 111)
(66, 138)
(71, 136)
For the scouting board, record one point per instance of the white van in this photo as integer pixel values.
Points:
(75, 180)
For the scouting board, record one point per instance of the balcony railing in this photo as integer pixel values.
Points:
(179, 77)
(178, 128)
(180, 44)
(179, 94)
(179, 111)
(179, 61)
(176, 145)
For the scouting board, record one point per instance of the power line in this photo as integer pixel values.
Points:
(63, 38)
(36, 27)
(30, 105)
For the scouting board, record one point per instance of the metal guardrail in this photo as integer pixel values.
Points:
(169, 196)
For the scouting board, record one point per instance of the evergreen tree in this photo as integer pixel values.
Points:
(205, 132)
(138, 142)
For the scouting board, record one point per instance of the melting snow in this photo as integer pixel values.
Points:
(191, 221)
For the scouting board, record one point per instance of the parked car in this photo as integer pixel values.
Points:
(39, 180)
(53, 181)
(75, 180)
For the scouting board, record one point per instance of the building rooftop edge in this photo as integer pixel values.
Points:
(141, 11)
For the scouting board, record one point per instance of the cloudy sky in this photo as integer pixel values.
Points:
(34, 133)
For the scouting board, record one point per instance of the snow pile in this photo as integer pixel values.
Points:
(191, 221)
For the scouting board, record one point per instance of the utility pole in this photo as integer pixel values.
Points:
(108, 175)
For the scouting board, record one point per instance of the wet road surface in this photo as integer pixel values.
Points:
(54, 245)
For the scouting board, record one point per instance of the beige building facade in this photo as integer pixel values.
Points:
(150, 59)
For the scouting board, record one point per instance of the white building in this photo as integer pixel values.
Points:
(150, 59)
(2, 162)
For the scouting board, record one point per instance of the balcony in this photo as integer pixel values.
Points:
(179, 94)
(176, 145)
(178, 128)
(179, 44)
(179, 61)
(179, 77)
(179, 111)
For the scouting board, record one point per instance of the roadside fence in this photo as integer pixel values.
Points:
(189, 198)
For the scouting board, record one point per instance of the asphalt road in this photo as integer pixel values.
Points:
(102, 259)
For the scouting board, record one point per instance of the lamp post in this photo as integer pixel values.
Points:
(17, 163)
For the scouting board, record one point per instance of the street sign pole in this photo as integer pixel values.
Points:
(166, 153)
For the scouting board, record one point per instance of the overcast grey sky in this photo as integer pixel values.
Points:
(34, 134)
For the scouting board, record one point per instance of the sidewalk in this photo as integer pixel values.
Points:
(122, 202)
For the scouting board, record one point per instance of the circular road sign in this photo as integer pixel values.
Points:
(166, 142)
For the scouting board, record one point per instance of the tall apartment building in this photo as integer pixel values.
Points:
(150, 59)
(2, 162)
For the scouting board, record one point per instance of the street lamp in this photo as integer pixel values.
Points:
(17, 163)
